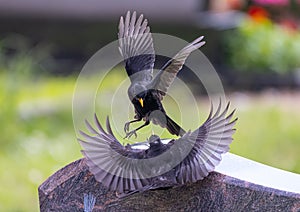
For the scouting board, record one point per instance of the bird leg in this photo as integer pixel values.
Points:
(133, 132)
(126, 126)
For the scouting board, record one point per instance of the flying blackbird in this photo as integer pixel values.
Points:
(146, 92)
(129, 169)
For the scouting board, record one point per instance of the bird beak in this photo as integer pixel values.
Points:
(141, 102)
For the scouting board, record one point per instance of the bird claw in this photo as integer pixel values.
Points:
(126, 127)
(131, 133)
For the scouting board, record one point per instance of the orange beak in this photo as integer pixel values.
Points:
(141, 102)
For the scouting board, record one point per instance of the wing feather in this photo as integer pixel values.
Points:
(136, 46)
(168, 73)
(112, 164)
(209, 142)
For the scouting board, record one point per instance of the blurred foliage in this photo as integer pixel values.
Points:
(38, 138)
(37, 135)
(263, 47)
(22, 58)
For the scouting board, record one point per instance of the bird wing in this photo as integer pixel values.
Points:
(136, 46)
(167, 74)
(112, 164)
(201, 150)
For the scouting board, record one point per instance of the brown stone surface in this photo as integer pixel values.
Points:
(64, 191)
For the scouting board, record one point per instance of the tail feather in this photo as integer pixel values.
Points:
(174, 128)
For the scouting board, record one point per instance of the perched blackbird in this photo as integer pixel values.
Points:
(129, 169)
(146, 92)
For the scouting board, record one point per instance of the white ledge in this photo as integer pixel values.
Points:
(257, 173)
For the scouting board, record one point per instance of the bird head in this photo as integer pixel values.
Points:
(140, 98)
(137, 93)
(154, 140)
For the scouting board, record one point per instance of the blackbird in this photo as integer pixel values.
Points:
(129, 169)
(146, 92)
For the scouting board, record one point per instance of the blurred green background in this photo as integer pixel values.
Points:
(259, 67)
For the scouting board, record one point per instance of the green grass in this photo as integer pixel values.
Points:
(38, 138)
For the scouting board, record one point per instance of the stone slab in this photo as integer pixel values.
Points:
(64, 191)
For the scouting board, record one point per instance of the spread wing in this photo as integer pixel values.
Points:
(136, 46)
(112, 164)
(206, 144)
(168, 73)
(121, 169)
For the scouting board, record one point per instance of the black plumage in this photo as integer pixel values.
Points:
(146, 92)
(127, 169)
